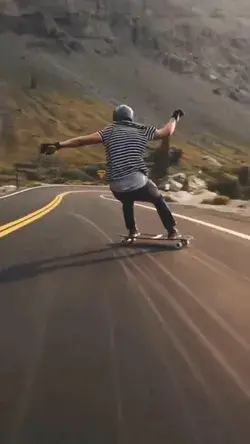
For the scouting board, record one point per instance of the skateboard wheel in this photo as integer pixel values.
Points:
(129, 240)
(178, 245)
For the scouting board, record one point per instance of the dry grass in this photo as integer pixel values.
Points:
(217, 200)
(44, 117)
(193, 154)
(53, 117)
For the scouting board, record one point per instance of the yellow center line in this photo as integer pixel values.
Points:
(28, 216)
(14, 225)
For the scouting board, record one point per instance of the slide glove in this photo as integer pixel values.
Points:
(49, 148)
(177, 114)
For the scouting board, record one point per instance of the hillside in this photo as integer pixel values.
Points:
(155, 55)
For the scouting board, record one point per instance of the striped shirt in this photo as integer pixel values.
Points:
(125, 147)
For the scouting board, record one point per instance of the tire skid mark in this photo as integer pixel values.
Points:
(227, 272)
(211, 394)
(124, 261)
(217, 355)
(178, 347)
(113, 353)
(212, 313)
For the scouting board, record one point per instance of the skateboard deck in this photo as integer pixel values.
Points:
(183, 241)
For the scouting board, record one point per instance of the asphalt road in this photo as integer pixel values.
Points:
(121, 345)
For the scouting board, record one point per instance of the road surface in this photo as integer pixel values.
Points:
(104, 344)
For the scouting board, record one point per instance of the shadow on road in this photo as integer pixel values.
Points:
(90, 257)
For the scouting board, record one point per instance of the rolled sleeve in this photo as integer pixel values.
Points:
(150, 132)
(102, 134)
(105, 133)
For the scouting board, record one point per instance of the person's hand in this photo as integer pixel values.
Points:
(49, 148)
(178, 114)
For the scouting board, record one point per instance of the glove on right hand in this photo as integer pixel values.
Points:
(178, 114)
(49, 148)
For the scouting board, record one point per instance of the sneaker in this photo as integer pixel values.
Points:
(174, 234)
(134, 233)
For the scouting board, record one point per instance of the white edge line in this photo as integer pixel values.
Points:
(46, 186)
(180, 216)
(191, 219)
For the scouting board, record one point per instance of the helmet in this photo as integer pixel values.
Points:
(123, 112)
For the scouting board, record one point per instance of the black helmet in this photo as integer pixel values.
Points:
(123, 112)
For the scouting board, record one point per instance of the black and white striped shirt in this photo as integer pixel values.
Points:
(125, 146)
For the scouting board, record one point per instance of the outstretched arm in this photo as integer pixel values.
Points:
(167, 130)
(90, 139)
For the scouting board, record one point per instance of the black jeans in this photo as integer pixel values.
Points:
(148, 193)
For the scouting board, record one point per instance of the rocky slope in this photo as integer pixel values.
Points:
(154, 54)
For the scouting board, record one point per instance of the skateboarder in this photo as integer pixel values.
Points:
(125, 146)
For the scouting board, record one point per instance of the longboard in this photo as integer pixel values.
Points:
(183, 241)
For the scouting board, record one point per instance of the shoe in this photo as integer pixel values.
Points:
(134, 233)
(174, 234)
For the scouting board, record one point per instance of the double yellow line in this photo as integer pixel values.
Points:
(31, 217)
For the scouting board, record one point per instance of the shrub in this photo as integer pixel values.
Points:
(174, 155)
(56, 180)
(246, 192)
(7, 171)
(217, 200)
(163, 157)
(7, 179)
(33, 184)
(92, 170)
(244, 175)
(76, 175)
(32, 175)
(226, 185)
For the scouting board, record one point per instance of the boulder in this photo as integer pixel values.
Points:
(174, 185)
(166, 187)
(179, 177)
(195, 184)
(7, 188)
(211, 161)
